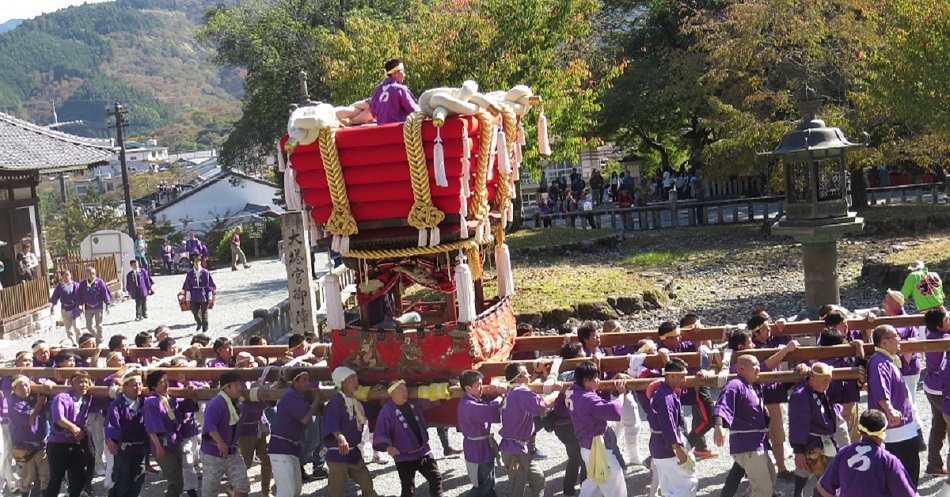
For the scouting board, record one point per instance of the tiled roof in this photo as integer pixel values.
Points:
(25, 146)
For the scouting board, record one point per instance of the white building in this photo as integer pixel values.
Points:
(230, 194)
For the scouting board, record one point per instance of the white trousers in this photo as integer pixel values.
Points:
(911, 382)
(96, 428)
(6, 458)
(110, 463)
(189, 476)
(615, 486)
(287, 477)
(674, 482)
(628, 429)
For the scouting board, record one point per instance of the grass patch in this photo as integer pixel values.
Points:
(878, 213)
(653, 259)
(544, 287)
(935, 251)
(548, 237)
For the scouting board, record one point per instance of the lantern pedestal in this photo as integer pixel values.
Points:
(819, 239)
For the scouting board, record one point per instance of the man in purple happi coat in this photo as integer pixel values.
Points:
(253, 429)
(200, 289)
(66, 294)
(29, 426)
(139, 285)
(888, 393)
(475, 417)
(590, 414)
(518, 411)
(163, 417)
(219, 454)
(95, 298)
(741, 409)
(194, 246)
(293, 415)
(812, 421)
(224, 353)
(126, 438)
(699, 399)
(392, 101)
(401, 431)
(668, 446)
(343, 422)
(68, 448)
(937, 323)
(945, 407)
(866, 469)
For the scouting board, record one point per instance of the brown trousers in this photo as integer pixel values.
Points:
(339, 472)
(248, 446)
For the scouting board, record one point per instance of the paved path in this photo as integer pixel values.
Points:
(239, 294)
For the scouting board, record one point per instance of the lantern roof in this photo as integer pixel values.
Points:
(812, 133)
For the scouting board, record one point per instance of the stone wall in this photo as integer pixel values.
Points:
(27, 324)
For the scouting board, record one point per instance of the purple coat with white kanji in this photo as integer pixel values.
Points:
(138, 283)
(885, 382)
(73, 409)
(158, 423)
(24, 434)
(590, 413)
(199, 285)
(392, 430)
(124, 423)
(811, 415)
(475, 417)
(94, 295)
(518, 411)
(866, 469)
(337, 419)
(742, 410)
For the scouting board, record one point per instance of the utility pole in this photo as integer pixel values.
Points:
(119, 113)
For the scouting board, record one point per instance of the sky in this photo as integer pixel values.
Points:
(28, 9)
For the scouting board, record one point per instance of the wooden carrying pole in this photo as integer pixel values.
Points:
(609, 363)
(546, 343)
(272, 394)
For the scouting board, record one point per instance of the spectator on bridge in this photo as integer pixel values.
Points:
(596, 182)
(547, 206)
(614, 186)
(95, 298)
(66, 294)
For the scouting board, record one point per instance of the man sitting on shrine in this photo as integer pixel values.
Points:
(392, 101)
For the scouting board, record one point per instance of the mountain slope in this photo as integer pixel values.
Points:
(12, 23)
(137, 52)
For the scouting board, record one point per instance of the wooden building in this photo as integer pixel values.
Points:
(28, 151)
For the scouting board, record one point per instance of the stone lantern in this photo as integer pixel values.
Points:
(816, 199)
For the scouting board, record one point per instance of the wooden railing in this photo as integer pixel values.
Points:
(23, 298)
(916, 193)
(104, 266)
(671, 214)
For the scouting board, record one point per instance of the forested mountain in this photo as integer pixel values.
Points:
(141, 53)
(12, 23)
